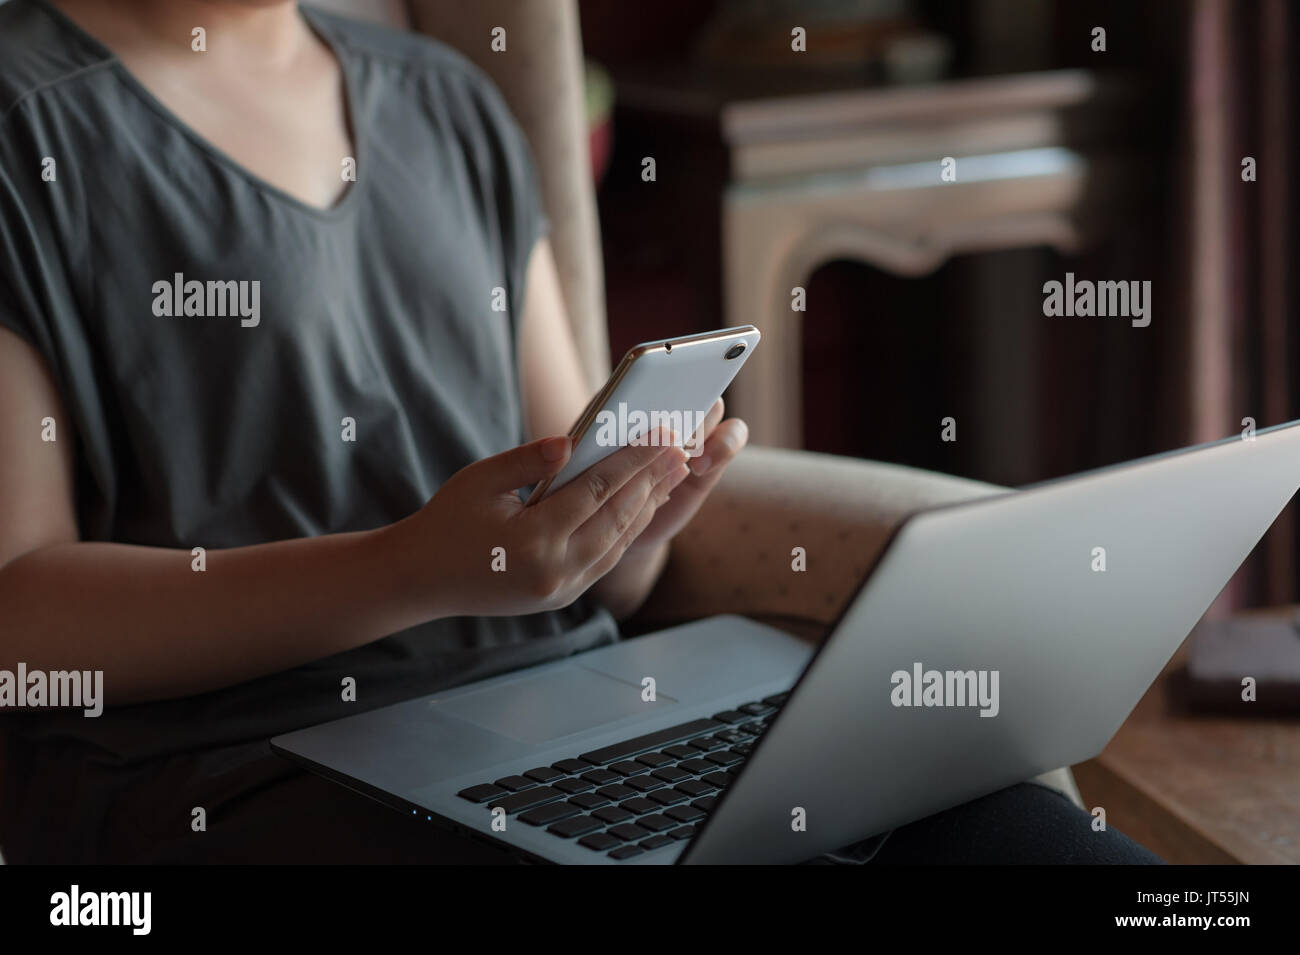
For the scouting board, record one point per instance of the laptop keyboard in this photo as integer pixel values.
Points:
(640, 794)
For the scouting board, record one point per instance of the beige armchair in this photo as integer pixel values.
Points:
(735, 556)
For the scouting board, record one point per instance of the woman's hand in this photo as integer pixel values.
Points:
(718, 442)
(475, 549)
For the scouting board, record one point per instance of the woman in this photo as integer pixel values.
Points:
(263, 420)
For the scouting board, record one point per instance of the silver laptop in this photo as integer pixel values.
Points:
(993, 640)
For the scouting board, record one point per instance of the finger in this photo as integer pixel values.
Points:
(577, 501)
(521, 466)
(643, 520)
(697, 440)
(723, 445)
(590, 542)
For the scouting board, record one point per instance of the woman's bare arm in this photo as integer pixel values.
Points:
(159, 628)
(156, 626)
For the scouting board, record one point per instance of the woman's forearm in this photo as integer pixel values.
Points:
(159, 628)
(161, 623)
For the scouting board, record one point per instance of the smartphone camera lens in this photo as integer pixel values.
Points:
(735, 351)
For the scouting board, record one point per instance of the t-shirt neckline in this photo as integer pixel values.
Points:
(339, 208)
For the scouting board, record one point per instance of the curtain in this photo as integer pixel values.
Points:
(1242, 348)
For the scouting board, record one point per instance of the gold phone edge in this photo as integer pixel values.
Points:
(632, 354)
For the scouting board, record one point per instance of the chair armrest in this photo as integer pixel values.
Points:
(736, 555)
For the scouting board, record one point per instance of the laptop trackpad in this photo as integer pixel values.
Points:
(538, 708)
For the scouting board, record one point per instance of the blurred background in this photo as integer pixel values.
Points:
(798, 151)
(798, 145)
(1116, 157)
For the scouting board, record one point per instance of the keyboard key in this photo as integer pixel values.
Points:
(616, 793)
(586, 801)
(639, 805)
(571, 766)
(743, 749)
(695, 787)
(654, 760)
(731, 716)
(685, 813)
(629, 768)
(696, 766)
(629, 832)
(705, 803)
(656, 842)
(601, 777)
(481, 793)
(777, 700)
(641, 744)
(681, 751)
(643, 784)
(667, 797)
(757, 709)
(599, 841)
(684, 832)
(580, 785)
(543, 774)
(577, 826)
(656, 823)
(613, 814)
(670, 774)
(749, 729)
(733, 736)
(527, 799)
(724, 758)
(626, 852)
(707, 743)
(516, 783)
(720, 779)
(552, 812)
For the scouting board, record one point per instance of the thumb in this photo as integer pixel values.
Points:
(524, 465)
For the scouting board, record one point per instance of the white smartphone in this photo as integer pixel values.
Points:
(671, 382)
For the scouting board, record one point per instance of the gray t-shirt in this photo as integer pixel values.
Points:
(213, 414)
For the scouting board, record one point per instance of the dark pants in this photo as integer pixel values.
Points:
(301, 818)
(1026, 824)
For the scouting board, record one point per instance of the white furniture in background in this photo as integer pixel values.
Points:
(857, 175)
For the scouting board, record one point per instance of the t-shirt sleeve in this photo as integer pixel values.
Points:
(516, 187)
(42, 238)
(18, 262)
(11, 316)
